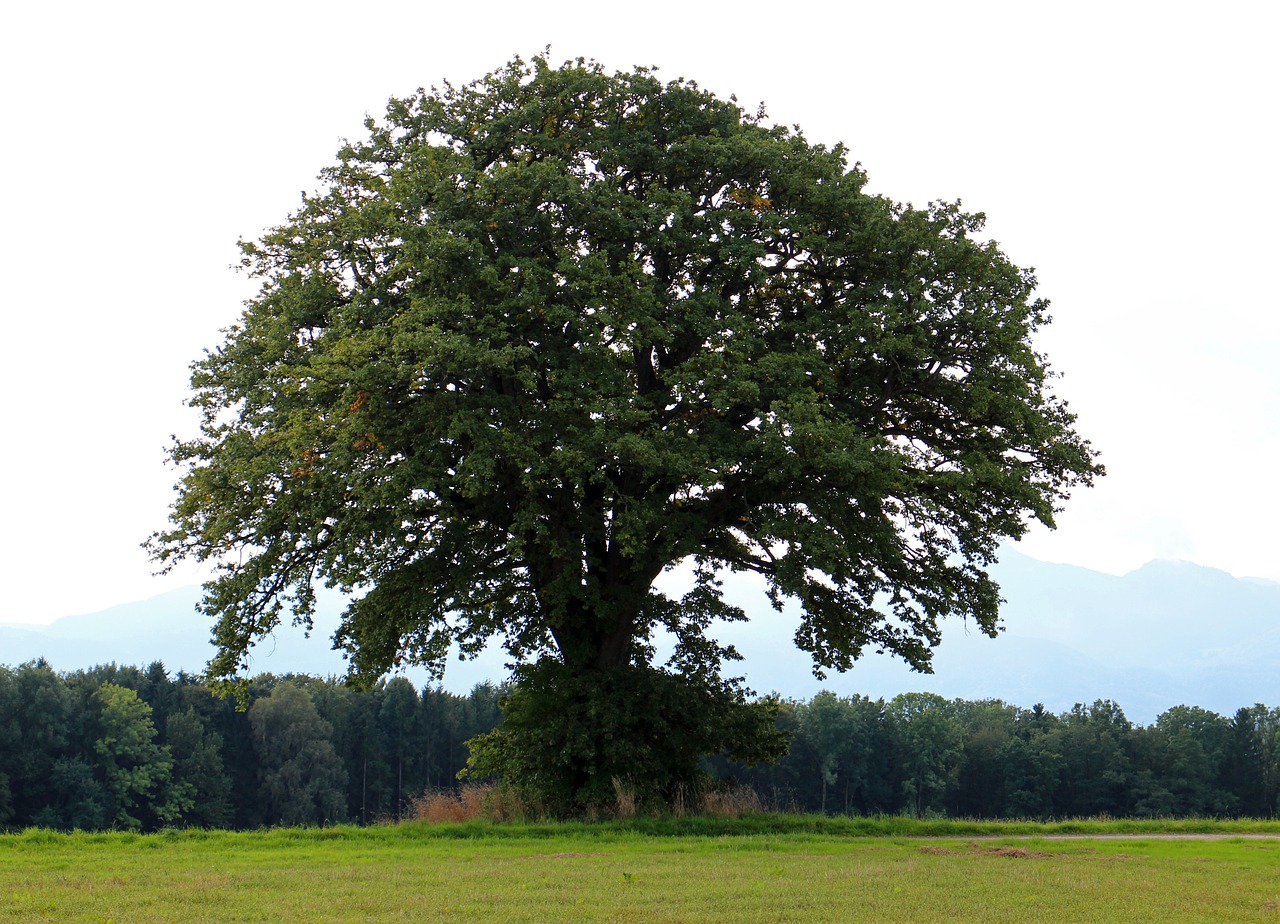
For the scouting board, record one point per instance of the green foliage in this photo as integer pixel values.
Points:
(197, 762)
(933, 736)
(547, 334)
(848, 746)
(849, 755)
(38, 731)
(58, 776)
(303, 782)
(1255, 752)
(568, 735)
(397, 721)
(542, 336)
(137, 771)
(79, 799)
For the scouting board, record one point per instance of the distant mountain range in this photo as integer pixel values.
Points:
(1168, 633)
(168, 628)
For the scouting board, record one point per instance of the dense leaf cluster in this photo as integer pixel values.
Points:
(566, 736)
(122, 747)
(541, 336)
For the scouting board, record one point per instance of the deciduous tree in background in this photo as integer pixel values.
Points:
(302, 779)
(545, 335)
(37, 734)
(933, 740)
(137, 771)
(197, 763)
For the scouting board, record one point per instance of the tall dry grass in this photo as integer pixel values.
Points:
(731, 803)
(493, 802)
(472, 802)
(624, 799)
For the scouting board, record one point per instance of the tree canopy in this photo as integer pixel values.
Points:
(542, 336)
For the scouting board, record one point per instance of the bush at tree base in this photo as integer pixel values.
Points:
(567, 736)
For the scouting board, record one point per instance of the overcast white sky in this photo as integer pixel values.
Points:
(1125, 150)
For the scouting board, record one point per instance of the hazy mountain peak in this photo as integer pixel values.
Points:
(1167, 633)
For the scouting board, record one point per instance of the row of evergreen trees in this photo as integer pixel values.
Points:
(122, 747)
(921, 754)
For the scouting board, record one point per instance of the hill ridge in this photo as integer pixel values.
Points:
(1167, 633)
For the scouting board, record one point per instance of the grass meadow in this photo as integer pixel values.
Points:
(736, 871)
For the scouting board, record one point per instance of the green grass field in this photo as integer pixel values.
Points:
(752, 870)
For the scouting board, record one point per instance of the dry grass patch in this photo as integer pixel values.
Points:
(473, 802)
(982, 850)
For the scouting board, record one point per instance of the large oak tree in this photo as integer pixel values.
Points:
(542, 336)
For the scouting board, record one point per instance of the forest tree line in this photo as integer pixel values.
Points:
(136, 748)
(123, 747)
(923, 755)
